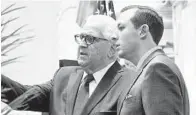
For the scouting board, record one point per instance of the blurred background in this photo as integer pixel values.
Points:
(45, 31)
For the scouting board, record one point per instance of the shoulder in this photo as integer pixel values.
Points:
(162, 69)
(64, 72)
(68, 69)
(61, 78)
(165, 64)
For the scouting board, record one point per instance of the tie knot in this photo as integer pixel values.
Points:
(88, 78)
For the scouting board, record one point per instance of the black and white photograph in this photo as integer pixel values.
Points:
(98, 57)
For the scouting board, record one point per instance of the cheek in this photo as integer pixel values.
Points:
(99, 52)
(124, 35)
(128, 36)
(93, 53)
(78, 52)
(124, 39)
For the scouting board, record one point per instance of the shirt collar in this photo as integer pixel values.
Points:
(99, 74)
(146, 55)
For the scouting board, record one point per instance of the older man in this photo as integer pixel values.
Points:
(95, 85)
(159, 88)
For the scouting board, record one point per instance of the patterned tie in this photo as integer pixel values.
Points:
(83, 94)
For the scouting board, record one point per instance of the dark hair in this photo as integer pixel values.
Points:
(146, 15)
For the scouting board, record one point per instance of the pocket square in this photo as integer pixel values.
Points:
(128, 96)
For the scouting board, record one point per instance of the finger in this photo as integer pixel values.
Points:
(4, 100)
(6, 90)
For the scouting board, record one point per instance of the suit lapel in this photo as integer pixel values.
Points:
(109, 79)
(73, 87)
(131, 79)
(134, 78)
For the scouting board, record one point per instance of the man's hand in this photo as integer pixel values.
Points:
(7, 110)
(4, 93)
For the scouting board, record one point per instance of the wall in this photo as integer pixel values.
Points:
(40, 57)
(185, 50)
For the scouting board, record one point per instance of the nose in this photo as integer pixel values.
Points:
(117, 43)
(83, 44)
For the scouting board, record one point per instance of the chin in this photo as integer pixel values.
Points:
(82, 63)
(121, 54)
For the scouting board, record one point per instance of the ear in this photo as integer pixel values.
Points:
(144, 29)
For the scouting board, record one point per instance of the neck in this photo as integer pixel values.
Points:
(137, 55)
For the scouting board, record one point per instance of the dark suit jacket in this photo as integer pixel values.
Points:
(26, 97)
(103, 99)
(158, 89)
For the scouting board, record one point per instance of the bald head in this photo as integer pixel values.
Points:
(100, 26)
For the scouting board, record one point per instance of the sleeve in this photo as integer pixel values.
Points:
(35, 99)
(11, 89)
(24, 97)
(161, 92)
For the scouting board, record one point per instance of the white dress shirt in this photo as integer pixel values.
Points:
(97, 78)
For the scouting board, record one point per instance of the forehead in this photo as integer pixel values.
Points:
(93, 31)
(126, 16)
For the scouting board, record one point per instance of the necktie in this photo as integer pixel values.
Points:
(83, 94)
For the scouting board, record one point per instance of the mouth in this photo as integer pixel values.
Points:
(83, 53)
(117, 47)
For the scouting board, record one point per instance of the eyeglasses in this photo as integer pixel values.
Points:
(88, 39)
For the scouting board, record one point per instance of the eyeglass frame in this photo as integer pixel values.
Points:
(84, 39)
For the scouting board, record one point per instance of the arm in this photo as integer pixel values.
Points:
(161, 93)
(11, 89)
(35, 99)
(7, 110)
